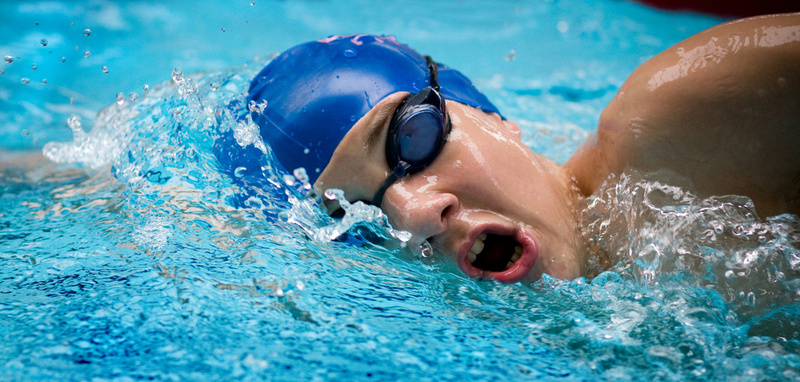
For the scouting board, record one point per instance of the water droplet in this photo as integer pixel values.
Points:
(223, 30)
(34, 67)
(26, 132)
(214, 86)
(425, 249)
(352, 118)
(120, 99)
(751, 299)
(177, 75)
(74, 123)
(105, 69)
(350, 53)
(63, 58)
(301, 175)
(146, 87)
(133, 96)
(43, 42)
(25, 81)
(9, 59)
(511, 55)
(87, 32)
(72, 101)
(86, 54)
(252, 2)
(729, 274)
(44, 81)
(333, 194)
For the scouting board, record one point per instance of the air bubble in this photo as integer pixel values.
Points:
(239, 172)
(133, 96)
(349, 53)
(44, 81)
(34, 67)
(86, 54)
(306, 151)
(146, 87)
(43, 42)
(120, 99)
(105, 69)
(87, 32)
(352, 118)
(289, 180)
(25, 80)
(63, 59)
(26, 132)
(9, 59)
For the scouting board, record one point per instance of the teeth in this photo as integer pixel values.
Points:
(517, 254)
(477, 247)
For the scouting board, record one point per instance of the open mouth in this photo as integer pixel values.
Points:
(494, 253)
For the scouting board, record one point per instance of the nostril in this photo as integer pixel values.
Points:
(446, 212)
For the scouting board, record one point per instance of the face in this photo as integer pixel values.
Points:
(486, 202)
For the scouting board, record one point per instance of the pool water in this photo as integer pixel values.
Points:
(128, 253)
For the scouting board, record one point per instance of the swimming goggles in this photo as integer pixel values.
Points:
(417, 132)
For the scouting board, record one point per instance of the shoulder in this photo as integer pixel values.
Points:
(725, 99)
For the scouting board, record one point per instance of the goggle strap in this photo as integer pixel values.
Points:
(398, 172)
(434, 71)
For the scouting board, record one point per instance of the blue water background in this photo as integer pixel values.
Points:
(135, 258)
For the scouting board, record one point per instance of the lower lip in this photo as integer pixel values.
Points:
(518, 271)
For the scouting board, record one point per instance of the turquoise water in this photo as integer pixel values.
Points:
(128, 254)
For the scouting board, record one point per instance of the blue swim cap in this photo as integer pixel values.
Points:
(315, 93)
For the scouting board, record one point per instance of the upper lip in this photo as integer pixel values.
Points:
(518, 271)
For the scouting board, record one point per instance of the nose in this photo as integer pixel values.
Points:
(423, 212)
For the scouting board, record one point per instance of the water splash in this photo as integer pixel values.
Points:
(661, 235)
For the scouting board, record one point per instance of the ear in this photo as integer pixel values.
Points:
(513, 128)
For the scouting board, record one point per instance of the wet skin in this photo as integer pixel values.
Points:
(473, 187)
(719, 113)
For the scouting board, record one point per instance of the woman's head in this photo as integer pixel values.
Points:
(482, 197)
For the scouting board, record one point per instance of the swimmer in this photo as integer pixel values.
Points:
(717, 114)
